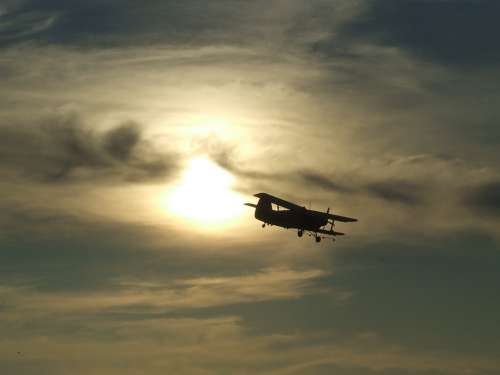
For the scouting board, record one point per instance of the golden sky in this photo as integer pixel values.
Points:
(132, 133)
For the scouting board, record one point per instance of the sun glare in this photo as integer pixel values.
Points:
(204, 195)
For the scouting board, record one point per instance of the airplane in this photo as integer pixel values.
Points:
(297, 217)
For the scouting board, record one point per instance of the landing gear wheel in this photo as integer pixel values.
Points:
(318, 239)
(264, 225)
(300, 232)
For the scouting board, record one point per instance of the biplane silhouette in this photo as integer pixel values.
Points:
(293, 216)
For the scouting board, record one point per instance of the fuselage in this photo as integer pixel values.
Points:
(298, 219)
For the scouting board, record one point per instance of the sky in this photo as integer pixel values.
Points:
(131, 134)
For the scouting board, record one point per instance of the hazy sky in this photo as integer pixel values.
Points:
(132, 132)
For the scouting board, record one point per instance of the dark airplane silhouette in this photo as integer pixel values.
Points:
(296, 217)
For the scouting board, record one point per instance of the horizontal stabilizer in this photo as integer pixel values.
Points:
(330, 232)
(251, 205)
(343, 219)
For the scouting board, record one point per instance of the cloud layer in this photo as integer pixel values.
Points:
(381, 110)
(62, 148)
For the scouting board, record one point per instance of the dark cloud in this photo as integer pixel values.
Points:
(455, 32)
(485, 198)
(126, 22)
(323, 182)
(326, 369)
(404, 291)
(120, 142)
(63, 148)
(17, 27)
(422, 288)
(396, 191)
(224, 156)
(390, 190)
(52, 249)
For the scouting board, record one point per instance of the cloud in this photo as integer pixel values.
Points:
(16, 27)
(295, 331)
(396, 191)
(457, 33)
(323, 182)
(124, 23)
(120, 142)
(178, 294)
(63, 148)
(70, 251)
(390, 189)
(9, 6)
(484, 198)
(224, 156)
(334, 101)
(205, 346)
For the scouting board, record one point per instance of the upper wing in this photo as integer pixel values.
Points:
(343, 219)
(292, 206)
(278, 201)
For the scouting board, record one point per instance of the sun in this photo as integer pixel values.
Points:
(204, 195)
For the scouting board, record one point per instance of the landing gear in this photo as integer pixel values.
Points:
(317, 238)
(264, 225)
(300, 232)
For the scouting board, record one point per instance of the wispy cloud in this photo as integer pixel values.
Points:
(16, 26)
(220, 344)
(484, 198)
(269, 285)
(62, 148)
(357, 105)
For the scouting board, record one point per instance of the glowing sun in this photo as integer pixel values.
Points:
(204, 194)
